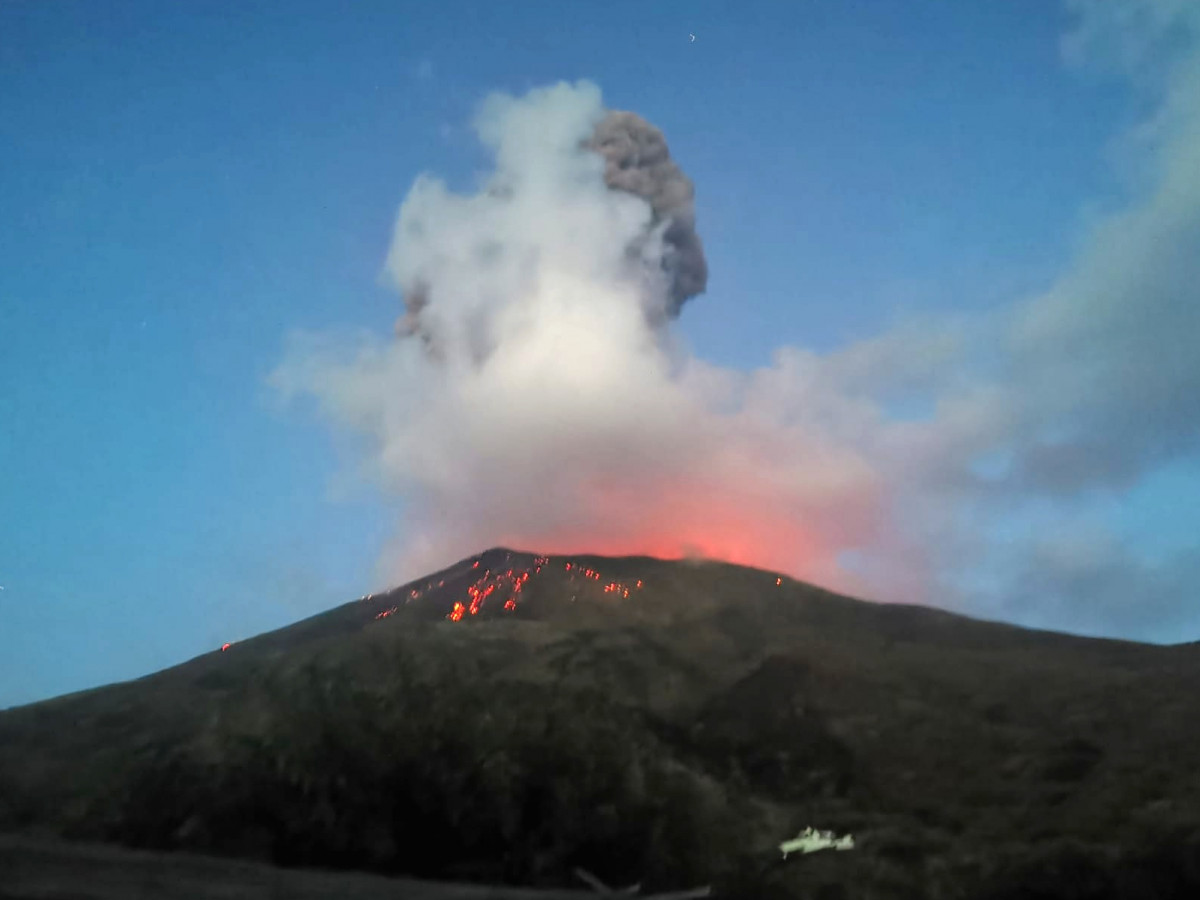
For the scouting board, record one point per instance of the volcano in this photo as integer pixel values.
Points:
(515, 717)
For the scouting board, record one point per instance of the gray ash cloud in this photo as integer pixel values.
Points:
(638, 161)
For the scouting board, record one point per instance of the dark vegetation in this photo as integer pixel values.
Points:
(673, 738)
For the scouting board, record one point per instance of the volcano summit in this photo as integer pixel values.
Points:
(516, 716)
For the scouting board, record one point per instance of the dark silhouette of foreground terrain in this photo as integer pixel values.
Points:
(37, 870)
(658, 722)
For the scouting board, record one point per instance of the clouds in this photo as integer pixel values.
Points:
(1094, 383)
(1089, 583)
(1139, 38)
(1114, 334)
(537, 398)
(1105, 360)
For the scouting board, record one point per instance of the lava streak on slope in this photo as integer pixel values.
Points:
(488, 587)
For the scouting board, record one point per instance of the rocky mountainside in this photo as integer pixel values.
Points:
(516, 716)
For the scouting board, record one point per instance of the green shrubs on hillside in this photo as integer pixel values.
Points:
(440, 778)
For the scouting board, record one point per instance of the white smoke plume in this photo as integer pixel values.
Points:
(546, 406)
(536, 398)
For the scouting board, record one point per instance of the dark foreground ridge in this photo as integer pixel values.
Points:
(515, 717)
(38, 869)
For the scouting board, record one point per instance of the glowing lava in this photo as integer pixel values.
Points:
(508, 584)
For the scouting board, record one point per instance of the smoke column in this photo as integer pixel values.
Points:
(537, 398)
(636, 159)
(534, 396)
(638, 162)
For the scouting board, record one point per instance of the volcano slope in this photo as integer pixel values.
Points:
(514, 716)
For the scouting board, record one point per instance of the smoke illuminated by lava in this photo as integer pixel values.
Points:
(535, 396)
(540, 401)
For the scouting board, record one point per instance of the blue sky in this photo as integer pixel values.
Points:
(182, 185)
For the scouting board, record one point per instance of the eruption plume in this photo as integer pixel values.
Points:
(637, 162)
(636, 159)
(538, 398)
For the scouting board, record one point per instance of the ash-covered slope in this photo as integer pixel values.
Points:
(515, 716)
